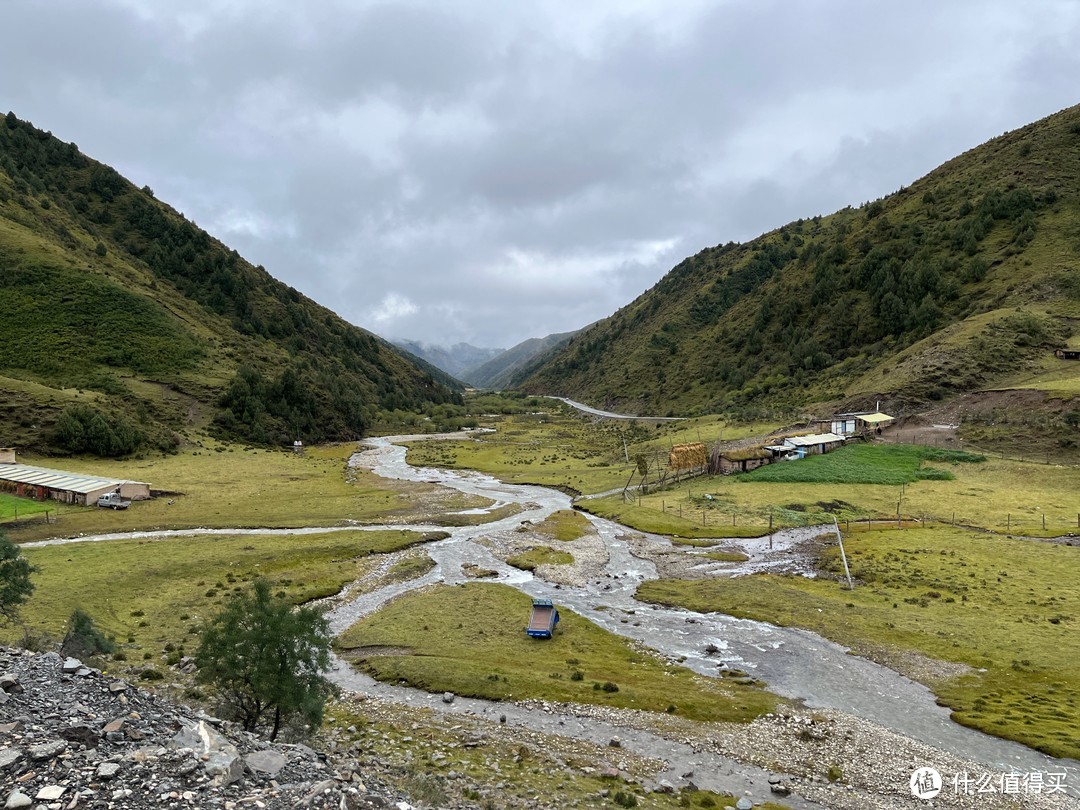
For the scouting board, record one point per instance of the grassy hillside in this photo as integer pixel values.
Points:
(502, 370)
(966, 278)
(117, 304)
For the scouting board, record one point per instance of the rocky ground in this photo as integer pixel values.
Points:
(72, 737)
(589, 552)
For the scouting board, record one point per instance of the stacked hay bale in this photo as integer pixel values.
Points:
(691, 456)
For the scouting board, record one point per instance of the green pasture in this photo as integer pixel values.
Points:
(999, 495)
(15, 508)
(676, 515)
(887, 464)
(470, 640)
(246, 488)
(149, 593)
(1008, 608)
(540, 555)
(566, 525)
(550, 448)
(564, 448)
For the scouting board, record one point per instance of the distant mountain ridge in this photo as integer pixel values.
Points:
(452, 359)
(965, 279)
(506, 370)
(120, 319)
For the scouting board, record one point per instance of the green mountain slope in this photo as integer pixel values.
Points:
(453, 360)
(964, 279)
(117, 310)
(505, 369)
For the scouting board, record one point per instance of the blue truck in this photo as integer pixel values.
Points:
(543, 619)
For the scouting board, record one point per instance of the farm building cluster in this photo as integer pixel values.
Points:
(41, 483)
(836, 431)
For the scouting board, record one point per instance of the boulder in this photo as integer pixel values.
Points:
(47, 750)
(220, 758)
(107, 770)
(82, 734)
(71, 666)
(17, 800)
(265, 762)
(744, 804)
(9, 757)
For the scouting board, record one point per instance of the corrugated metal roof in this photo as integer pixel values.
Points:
(58, 479)
(875, 418)
(813, 439)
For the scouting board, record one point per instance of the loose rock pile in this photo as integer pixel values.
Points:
(71, 737)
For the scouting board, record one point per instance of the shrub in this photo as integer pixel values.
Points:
(84, 638)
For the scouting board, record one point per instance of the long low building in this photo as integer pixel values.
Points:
(41, 483)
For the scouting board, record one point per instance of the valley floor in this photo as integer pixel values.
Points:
(862, 732)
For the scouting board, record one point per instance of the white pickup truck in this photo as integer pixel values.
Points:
(113, 501)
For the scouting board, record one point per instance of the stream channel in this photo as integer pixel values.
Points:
(794, 663)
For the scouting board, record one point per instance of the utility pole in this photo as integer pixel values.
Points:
(843, 555)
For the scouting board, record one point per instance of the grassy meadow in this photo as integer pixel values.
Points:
(14, 508)
(544, 448)
(999, 495)
(1008, 608)
(566, 525)
(560, 447)
(152, 593)
(540, 555)
(248, 488)
(471, 640)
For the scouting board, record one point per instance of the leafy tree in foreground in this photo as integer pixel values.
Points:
(15, 584)
(263, 656)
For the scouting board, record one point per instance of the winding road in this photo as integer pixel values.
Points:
(609, 415)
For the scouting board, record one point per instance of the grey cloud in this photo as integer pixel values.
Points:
(510, 170)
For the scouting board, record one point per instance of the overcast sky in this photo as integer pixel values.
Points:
(493, 170)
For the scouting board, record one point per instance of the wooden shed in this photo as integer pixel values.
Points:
(742, 459)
